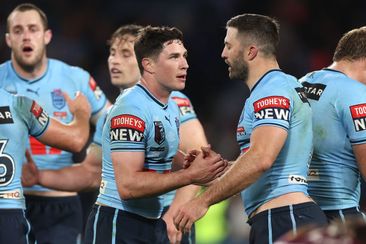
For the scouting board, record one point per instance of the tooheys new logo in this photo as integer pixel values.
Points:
(184, 105)
(38, 112)
(358, 113)
(273, 107)
(127, 127)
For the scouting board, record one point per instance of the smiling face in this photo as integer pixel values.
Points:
(122, 63)
(170, 67)
(233, 54)
(27, 39)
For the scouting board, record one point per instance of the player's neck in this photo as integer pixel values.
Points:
(258, 69)
(156, 90)
(353, 69)
(30, 72)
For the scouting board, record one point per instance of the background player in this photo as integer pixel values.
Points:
(19, 118)
(31, 73)
(338, 102)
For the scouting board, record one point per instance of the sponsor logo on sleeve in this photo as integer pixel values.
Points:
(39, 113)
(95, 88)
(273, 107)
(127, 127)
(240, 131)
(358, 113)
(297, 179)
(159, 132)
(301, 92)
(313, 91)
(185, 106)
(5, 115)
(58, 100)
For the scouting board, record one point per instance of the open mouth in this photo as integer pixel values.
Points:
(182, 77)
(27, 49)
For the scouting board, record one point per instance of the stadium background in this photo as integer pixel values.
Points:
(309, 32)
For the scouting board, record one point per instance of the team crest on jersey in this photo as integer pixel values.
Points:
(58, 99)
(273, 107)
(5, 115)
(127, 127)
(159, 132)
(358, 113)
(38, 112)
(313, 91)
(184, 105)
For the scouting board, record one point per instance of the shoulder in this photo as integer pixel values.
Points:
(69, 70)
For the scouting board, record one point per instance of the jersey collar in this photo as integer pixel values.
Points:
(269, 71)
(27, 80)
(164, 106)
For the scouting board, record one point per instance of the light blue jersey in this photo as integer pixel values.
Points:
(138, 122)
(278, 100)
(186, 113)
(47, 90)
(19, 118)
(339, 121)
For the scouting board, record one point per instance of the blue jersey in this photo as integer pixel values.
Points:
(339, 121)
(186, 113)
(19, 118)
(47, 91)
(278, 100)
(138, 122)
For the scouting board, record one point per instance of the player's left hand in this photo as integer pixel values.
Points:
(29, 171)
(189, 213)
(174, 235)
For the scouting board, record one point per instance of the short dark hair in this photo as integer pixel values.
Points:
(131, 29)
(150, 41)
(28, 7)
(263, 30)
(351, 46)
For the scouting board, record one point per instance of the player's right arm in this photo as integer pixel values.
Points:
(72, 136)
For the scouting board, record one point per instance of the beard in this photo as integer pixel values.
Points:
(239, 70)
(29, 65)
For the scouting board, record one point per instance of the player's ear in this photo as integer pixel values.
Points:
(252, 52)
(47, 36)
(149, 65)
(7, 39)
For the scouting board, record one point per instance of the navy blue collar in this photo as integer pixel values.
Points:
(164, 106)
(269, 71)
(31, 81)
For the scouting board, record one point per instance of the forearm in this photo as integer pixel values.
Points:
(69, 179)
(183, 195)
(245, 171)
(147, 184)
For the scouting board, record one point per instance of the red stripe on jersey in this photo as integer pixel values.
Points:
(37, 147)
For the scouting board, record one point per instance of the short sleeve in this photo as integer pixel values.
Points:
(127, 128)
(271, 108)
(185, 106)
(353, 114)
(36, 119)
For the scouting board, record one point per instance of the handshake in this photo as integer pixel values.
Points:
(203, 166)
